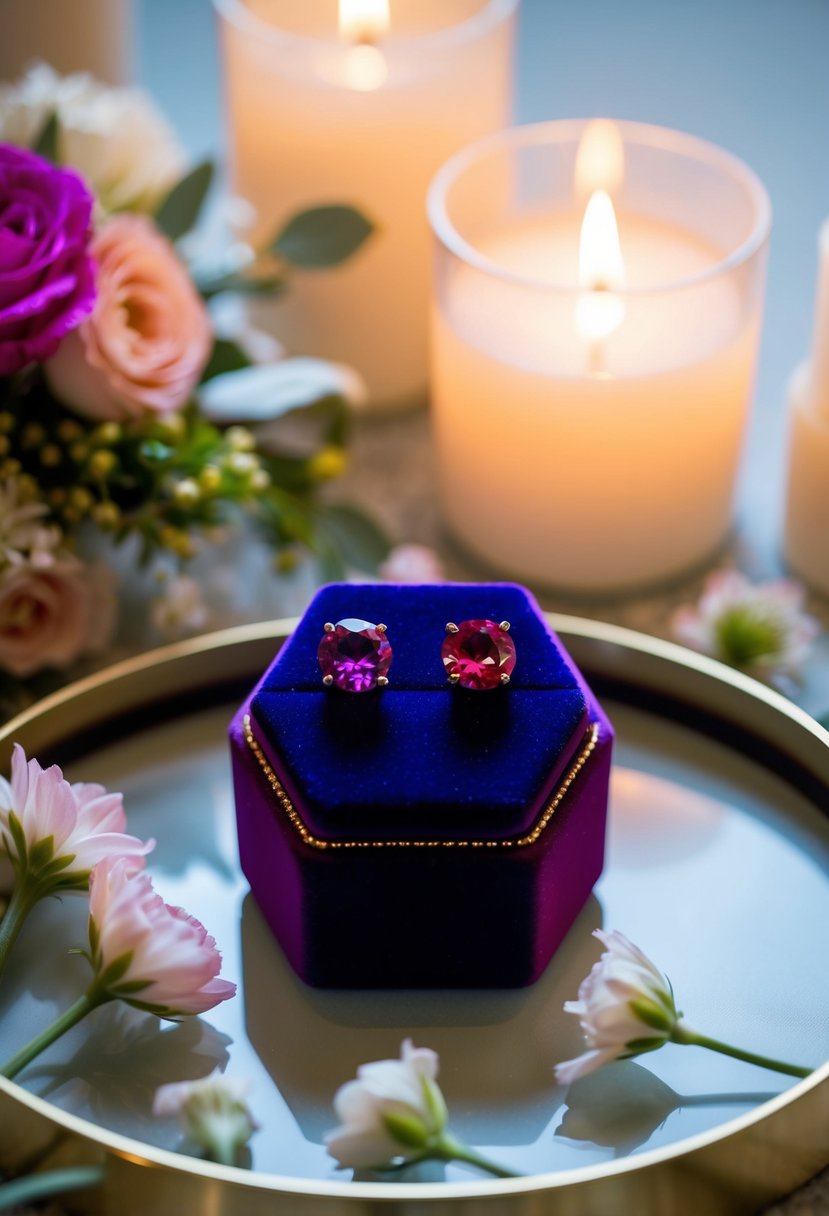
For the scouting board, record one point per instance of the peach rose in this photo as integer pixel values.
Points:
(148, 338)
(51, 615)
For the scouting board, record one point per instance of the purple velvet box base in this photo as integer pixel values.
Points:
(433, 916)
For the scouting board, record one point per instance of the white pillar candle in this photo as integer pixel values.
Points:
(807, 505)
(95, 36)
(362, 111)
(589, 439)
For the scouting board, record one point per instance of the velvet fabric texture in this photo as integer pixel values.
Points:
(421, 760)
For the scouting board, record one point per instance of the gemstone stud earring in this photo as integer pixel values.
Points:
(478, 654)
(354, 655)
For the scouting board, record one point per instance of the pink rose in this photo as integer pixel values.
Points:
(51, 615)
(145, 345)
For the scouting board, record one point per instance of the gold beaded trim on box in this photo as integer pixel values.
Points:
(516, 842)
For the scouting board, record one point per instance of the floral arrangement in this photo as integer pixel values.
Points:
(126, 373)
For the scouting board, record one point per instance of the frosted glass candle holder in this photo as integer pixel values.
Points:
(593, 452)
(316, 117)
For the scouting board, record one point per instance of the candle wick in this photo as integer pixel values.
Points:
(365, 37)
(595, 359)
(596, 347)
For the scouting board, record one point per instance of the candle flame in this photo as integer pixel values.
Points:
(363, 23)
(600, 160)
(599, 310)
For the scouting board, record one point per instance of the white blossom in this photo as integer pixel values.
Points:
(212, 1112)
(760, 628)
(394, 1109)
(180, 609)
(115, 138)
(24, 538)
(625, 1007)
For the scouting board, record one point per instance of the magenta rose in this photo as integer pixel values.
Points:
(47, 280)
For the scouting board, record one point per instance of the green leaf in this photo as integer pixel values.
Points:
(435, 1103)
(18, 838)
(246, 285)
(178, 212)
(355, 536)
(227, 356)
(406, 1129)
(46, 143)
(653, 1015)
(108, 979)
(331, 566)
(35, 1187)
(637, 1047)
(322, 236)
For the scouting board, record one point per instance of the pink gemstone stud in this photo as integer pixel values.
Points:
(478, 654)
(354, 655)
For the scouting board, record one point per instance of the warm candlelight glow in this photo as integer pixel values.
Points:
(363, 20)
(599, 310)
(365, 68)
(600, 160)
(363, 23)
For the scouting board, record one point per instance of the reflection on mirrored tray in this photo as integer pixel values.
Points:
(699, 838)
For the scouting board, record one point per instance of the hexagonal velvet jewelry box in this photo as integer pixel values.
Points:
(420, 834)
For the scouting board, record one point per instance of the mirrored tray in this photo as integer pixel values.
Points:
(718, 866)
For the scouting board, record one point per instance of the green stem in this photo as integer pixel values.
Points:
(683, 1034)
(222, 1151)
(74, 1014)
(450, 1149)
(34, 1187)
(24, 897)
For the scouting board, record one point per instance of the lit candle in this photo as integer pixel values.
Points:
(807, 507)
(362, 109)
(592, 361)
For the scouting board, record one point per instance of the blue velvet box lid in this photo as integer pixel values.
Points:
(420, 758)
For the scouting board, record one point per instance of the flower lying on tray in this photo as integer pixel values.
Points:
(758, 628)
(56, 838)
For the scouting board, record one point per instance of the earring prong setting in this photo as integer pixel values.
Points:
(478, 654)
(354, 655)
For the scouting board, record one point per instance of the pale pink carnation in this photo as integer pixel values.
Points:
(166, 961)
(758, 627)
(625, 1007)
(50, 615)
(211, 1111)
(84, 822)
(145, 345)
(388, 1095)
(412, 564)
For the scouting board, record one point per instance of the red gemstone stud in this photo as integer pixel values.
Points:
(478, 654)
(354, 655)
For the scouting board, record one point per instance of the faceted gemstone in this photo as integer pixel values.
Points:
(355, 654)
(479, 654)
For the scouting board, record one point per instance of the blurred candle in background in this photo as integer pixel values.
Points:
(807, 507)
(596, 316)
(95, 36)
(360, 102)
